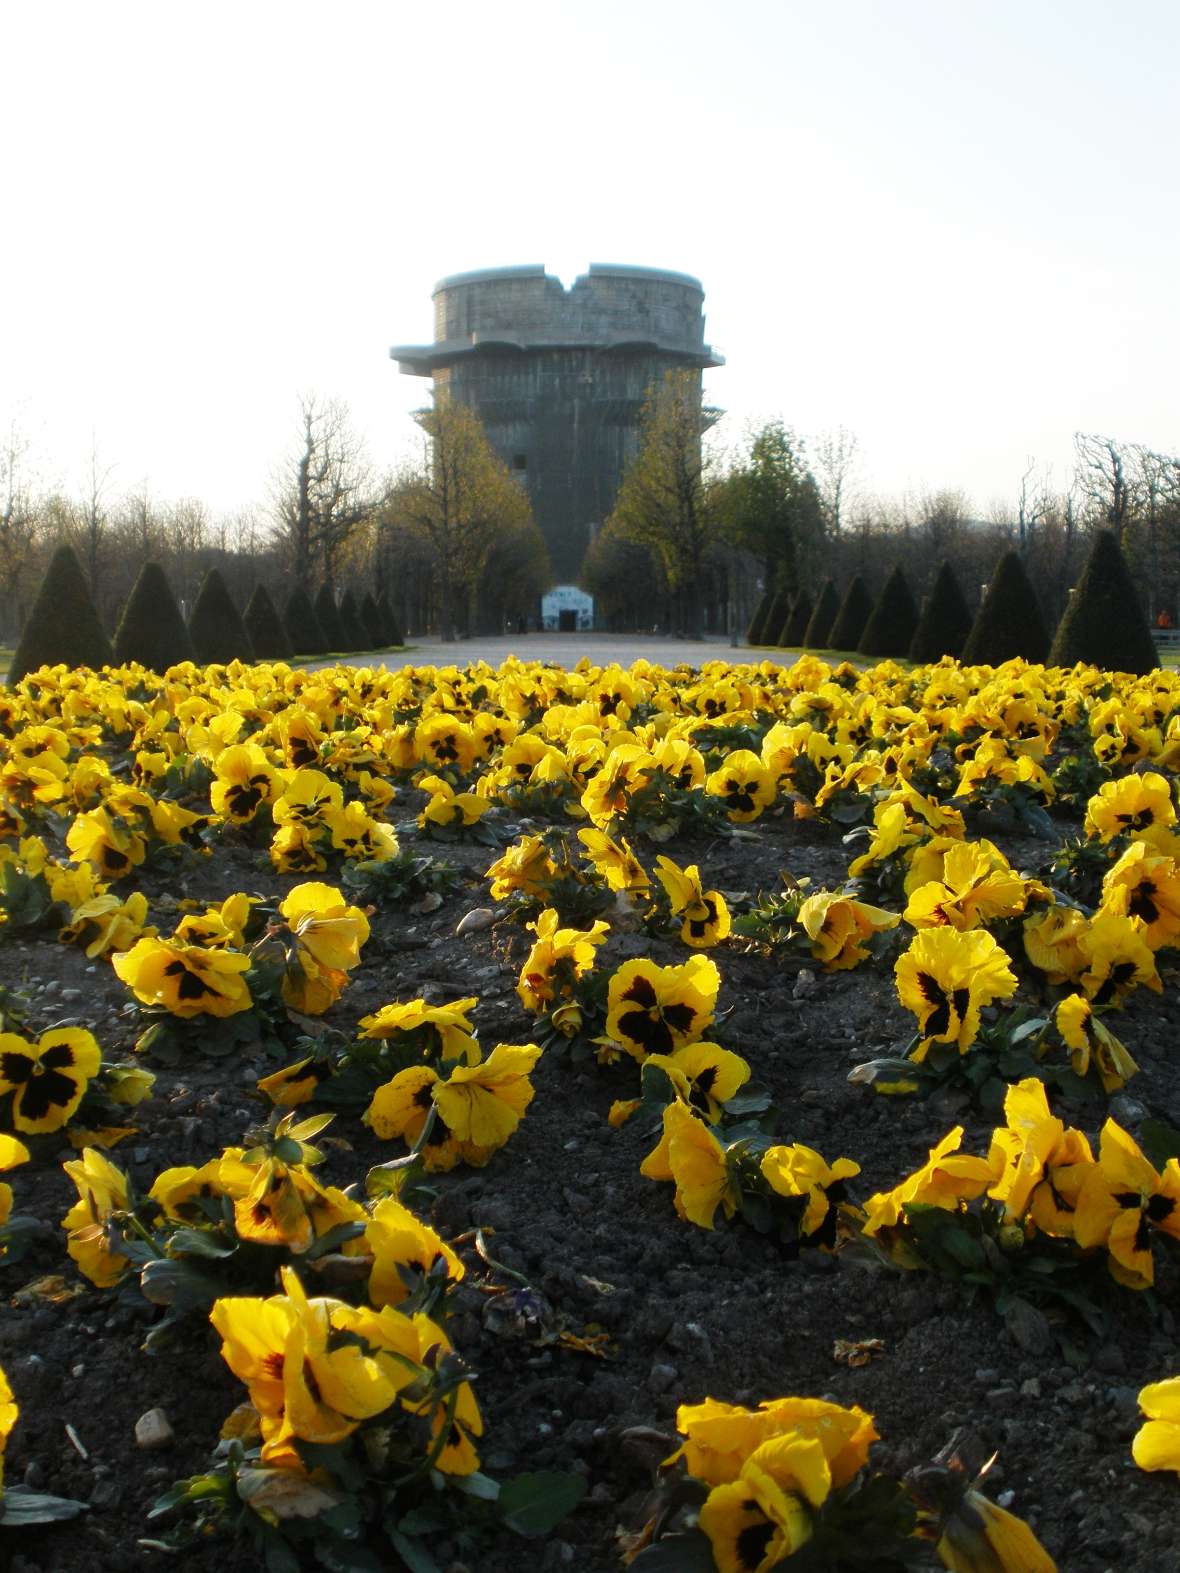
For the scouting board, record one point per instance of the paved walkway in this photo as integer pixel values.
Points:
(562, 650)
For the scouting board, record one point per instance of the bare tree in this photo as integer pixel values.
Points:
(1101, 474)
(18, 524)
(835, 465)
(326, 490)
(94, 517)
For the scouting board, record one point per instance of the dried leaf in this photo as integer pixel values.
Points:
(284, 1493)
(52, 1289)
(242, 1423)
(856, 1351)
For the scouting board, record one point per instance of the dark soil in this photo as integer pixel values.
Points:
(690, 1313)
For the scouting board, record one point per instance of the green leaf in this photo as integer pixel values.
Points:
(478, 1485)
(33, 1507)
(416, 1558)
(199, 1242)
(1159, 1141)
(340, 1558)
(691, 1553)
(534, 1504)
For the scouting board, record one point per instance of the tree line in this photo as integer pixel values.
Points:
(701, 536)
(447, 539)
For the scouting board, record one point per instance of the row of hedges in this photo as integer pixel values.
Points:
(1104, 624)
(63, 625)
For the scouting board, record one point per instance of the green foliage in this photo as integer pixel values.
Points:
(265, 627)
(891, 626)
(63, 626)
(1010, 622)
(770, 506)
(303, 626)
(151, 629)
(855, 610)
(795, 627)
(217, 630)
(817, 634)
(945, 620)
(328, 616)
(1104, 624)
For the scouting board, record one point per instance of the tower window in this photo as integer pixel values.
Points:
(519, 461)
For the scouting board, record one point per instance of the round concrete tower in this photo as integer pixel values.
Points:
(558, 377)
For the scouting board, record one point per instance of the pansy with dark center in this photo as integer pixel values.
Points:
(47, 1079)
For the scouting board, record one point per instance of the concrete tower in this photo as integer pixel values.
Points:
(558, 377)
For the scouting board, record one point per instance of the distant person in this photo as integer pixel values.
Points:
(521, 626)
(1164, 620)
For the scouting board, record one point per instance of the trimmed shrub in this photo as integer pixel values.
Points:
(303, 626)
(796, 625)
(815, 635)
(265, 627)
(774, 635)
(328, 616)
(1010, 622)
(945, 620)
(63, 626)
(776, 616)
(356, 635)
(373, 621)
(215, 626)
(890, 629)
(393, 632)
(152, 629)
(1104, 623)
(757, 629)
(855, 610)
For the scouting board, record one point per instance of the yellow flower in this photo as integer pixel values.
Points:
(243, 780)
(1122, 1200)
(105, 924)
(946, 1179)
(706, 916)
(452, 1035)
(653, 1009)
(946, 978)
(128, 1085)
(12, 1154)
(525, 866)
(186, 980)
(294, 849)
(445, 743)
(745, 785)
(559, 957)
(397, 1240)
(483, 1104)
(1026, 1152)
(719, 1437)
(1157, 1444)
(1145, 886)
(102, 1190)
(358, 835)
(1118, 959)
(614, 861)
(448, 807)
(1052, 942)
(838, 927)
(309, 798)
(328, 935)
(1087, 1038)
(704, 1075)
(690, 1155)
(801, 1171)
(971, 891)
(47, 1079)
(1130, 806)
(109, 844)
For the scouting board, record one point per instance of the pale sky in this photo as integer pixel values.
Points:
(950, 226)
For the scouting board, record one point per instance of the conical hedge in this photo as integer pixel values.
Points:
(215, 624)
(816, 636)
(328, 614)
(152, 629)
(393, 630)
(63, 626)
(265, 627)
(373, 621)
(890, 629)
(774, 635)
(356, 635)
(776, 616)
(1104, 624)
(756, 632)
(855, 610)
(1010, 622)
(303, 626)
(796, 625)
(945, 620)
